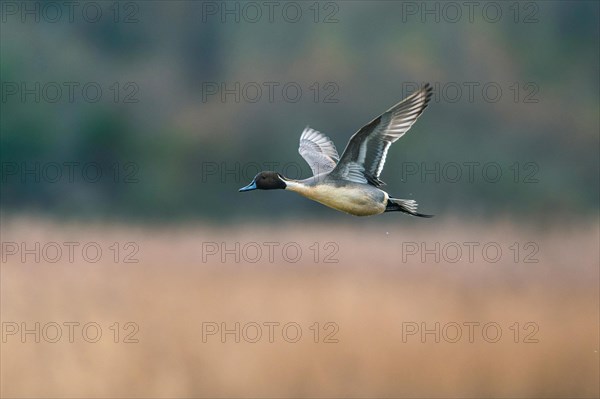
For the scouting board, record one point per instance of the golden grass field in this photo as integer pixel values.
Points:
(371, 294)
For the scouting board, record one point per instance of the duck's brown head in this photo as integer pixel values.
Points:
(266, 181)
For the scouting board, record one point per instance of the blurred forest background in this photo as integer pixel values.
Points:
(176, 139)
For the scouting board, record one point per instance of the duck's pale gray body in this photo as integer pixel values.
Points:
(350, 183)
(353, 198)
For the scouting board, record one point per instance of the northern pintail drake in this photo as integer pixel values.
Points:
(350, 183)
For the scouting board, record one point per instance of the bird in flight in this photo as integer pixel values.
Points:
(350, 183)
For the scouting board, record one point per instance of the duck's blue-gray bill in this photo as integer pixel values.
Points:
(251, 186)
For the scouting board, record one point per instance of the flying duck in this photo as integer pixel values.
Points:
(350, 183)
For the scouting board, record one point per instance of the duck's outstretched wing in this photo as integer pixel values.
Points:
(318, 151)
(364, 156)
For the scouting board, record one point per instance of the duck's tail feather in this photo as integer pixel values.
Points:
(406, 206)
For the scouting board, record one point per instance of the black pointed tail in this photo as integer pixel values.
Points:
(406, 206)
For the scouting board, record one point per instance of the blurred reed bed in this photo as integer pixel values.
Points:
(371, 293)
